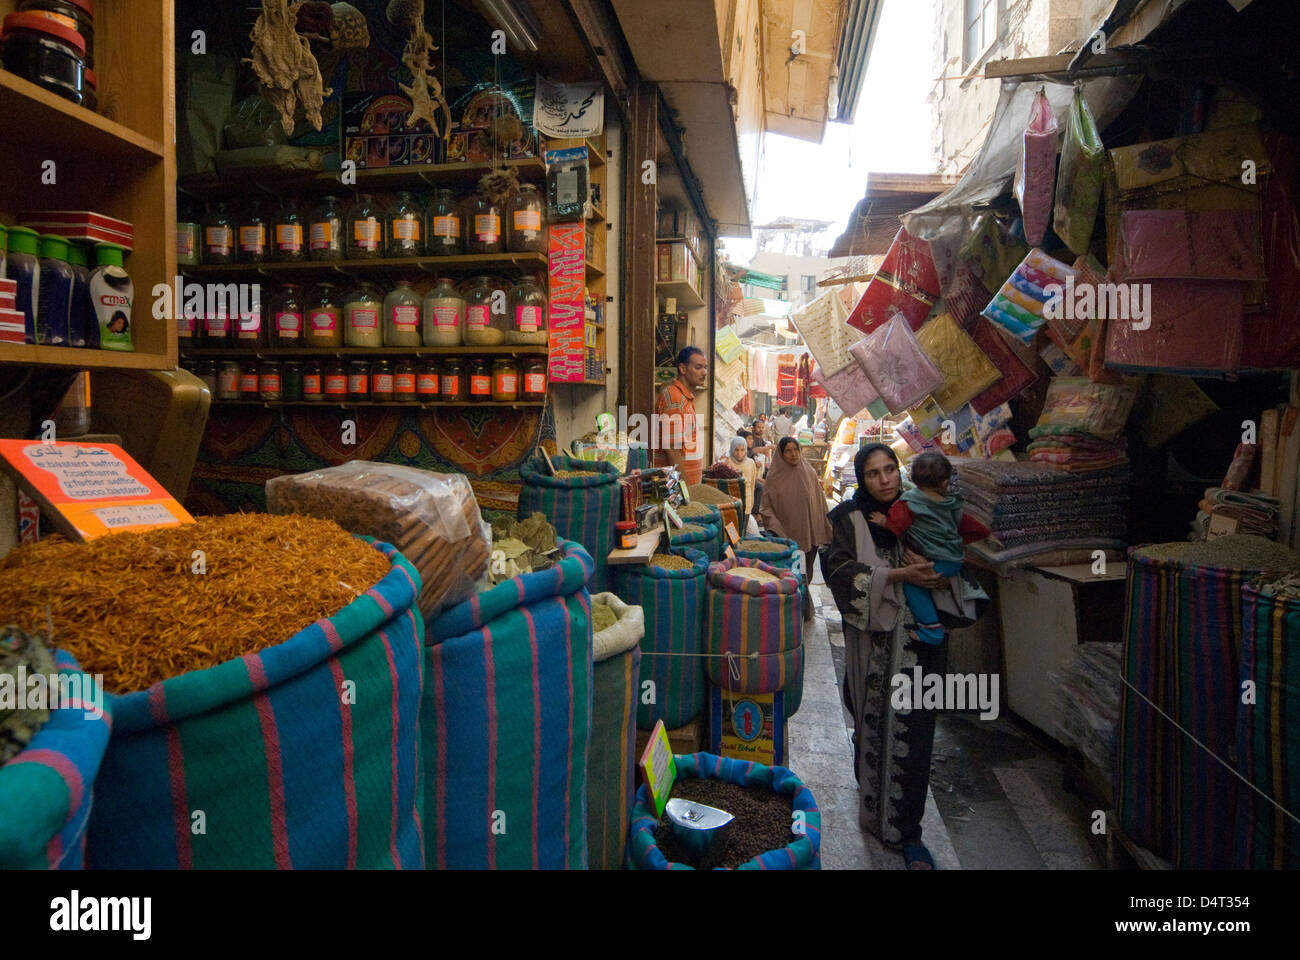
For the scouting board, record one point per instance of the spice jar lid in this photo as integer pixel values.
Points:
(34, 21)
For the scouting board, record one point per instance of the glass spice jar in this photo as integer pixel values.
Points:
(505, 380)
(249, 329)
(486, 319)
(335, 377)
(526, 221)
(252, 236)
(444, 225)
(323, 316)
(359, 380)
(325, 233)
(217, 330)
(288, 243)
(402, 316)
(218, 235)
(444, 315)
(286, 316)
(291, 380)
(453, 381)
(482, 225)
(527, 306)
(404, 226)
(208, 374)
(313, 384)
(533, 385)
(427, 385)
(361, 316)
(249, 386)
(404, 380)
(268, 380)
(365, 229)
(381, 381)
(188, 243)
(480, 380)
(228, 380)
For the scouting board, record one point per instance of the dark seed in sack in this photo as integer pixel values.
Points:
(763, 820)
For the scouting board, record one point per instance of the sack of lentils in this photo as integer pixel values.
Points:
(583, 501)
(754, 630)
(264, 690)
(696, 536)
(671, 592)
(777, 551)
(506, 720)
(704, 514)
(729, 504)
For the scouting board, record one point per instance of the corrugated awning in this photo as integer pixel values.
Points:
(756, 278)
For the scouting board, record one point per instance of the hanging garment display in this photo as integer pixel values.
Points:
(1035, 178)
(906, 283)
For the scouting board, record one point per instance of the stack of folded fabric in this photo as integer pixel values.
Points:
(1033, 508)
(1076, 453)
(1081, 427)
(1254, 512)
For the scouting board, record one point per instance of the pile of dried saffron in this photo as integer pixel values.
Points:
(133, 606)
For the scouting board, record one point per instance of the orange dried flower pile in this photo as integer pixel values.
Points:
(130, 606)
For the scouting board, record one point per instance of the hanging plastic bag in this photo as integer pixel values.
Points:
(1036, 169)
(1078, 187)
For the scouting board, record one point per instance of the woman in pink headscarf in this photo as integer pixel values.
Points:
(794, 507)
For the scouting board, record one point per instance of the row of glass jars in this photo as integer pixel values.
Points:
(453, 379)
(482, 312)
(365, 230)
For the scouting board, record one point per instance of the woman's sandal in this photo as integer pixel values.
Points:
(917, 857)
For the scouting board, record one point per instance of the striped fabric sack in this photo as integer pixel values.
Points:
(704, 539)
(1206, 674)
(783, 560)
(638, 457)
(582, 509)
(45, 791)
(611, 755)
(754, 631)
(802, 853)
(505, 723)
(1143, 743)
(1267, 839)
(673, 602)
(266, 761)
(733, 487)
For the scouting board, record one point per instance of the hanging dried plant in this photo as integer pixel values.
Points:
(499, 186)
(283, 61)
(427, 100)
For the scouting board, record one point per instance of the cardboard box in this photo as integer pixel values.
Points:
(86, 225)
(473, 110)
(376, 135)
(748, 726)
(676, 264)
(12, 327)
(685, 739)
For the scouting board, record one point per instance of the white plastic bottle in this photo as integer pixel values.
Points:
(112, 294)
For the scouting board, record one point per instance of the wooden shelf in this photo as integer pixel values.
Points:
(373, 179)
(41, 120)
(682, 291)
(289, 353)
(348, 404)
(595, 154)
(592, 268)
(82, 359)
(430, 265)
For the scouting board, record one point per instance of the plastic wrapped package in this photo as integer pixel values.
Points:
(432, 518)
(1035, 179)
(1078, 184)
(967, 372)
(1076, 405)
(896, 365)
(906, 283)
(1190, 244)
(992, 252)
(851, 389)
(993, 430)
(1016, 374)
(1271, 339)
(1192, 327)
(1020, 303)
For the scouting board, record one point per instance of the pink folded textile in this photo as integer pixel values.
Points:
(1195, 329)
(896, 365)
(850, 388)
(1190, 244)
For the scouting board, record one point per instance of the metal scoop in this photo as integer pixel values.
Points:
(703, 830)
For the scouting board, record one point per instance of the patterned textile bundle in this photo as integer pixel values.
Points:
(583, 509)
(45, 791)
(754, 632)
(896, 365)
(674, 602)
(800, 854)
(1267, 731)
(611, 753)
(287, 769)
(505, 723)
(705, 536)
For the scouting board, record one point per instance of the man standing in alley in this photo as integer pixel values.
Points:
(677, 432)
(782, 425)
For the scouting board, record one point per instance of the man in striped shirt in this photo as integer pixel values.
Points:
(677, 431)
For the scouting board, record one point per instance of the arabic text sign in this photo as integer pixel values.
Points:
(569, 111)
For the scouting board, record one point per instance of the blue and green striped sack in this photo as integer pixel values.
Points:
(801, 853)
(784, 559)
(638, 457)
(754, 631)
(505, 723)
(266, 761)
(732, 512)
(45, 791)
(705, 539)
(582, 509)
(1267, 731)
(673, 601)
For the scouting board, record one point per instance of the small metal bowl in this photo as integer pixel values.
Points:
(703, 831)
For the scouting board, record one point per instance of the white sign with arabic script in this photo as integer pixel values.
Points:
(569, 111)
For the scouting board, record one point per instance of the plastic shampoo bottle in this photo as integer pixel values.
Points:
(111, 293)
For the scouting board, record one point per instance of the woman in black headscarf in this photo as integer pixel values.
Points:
(865, 567)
